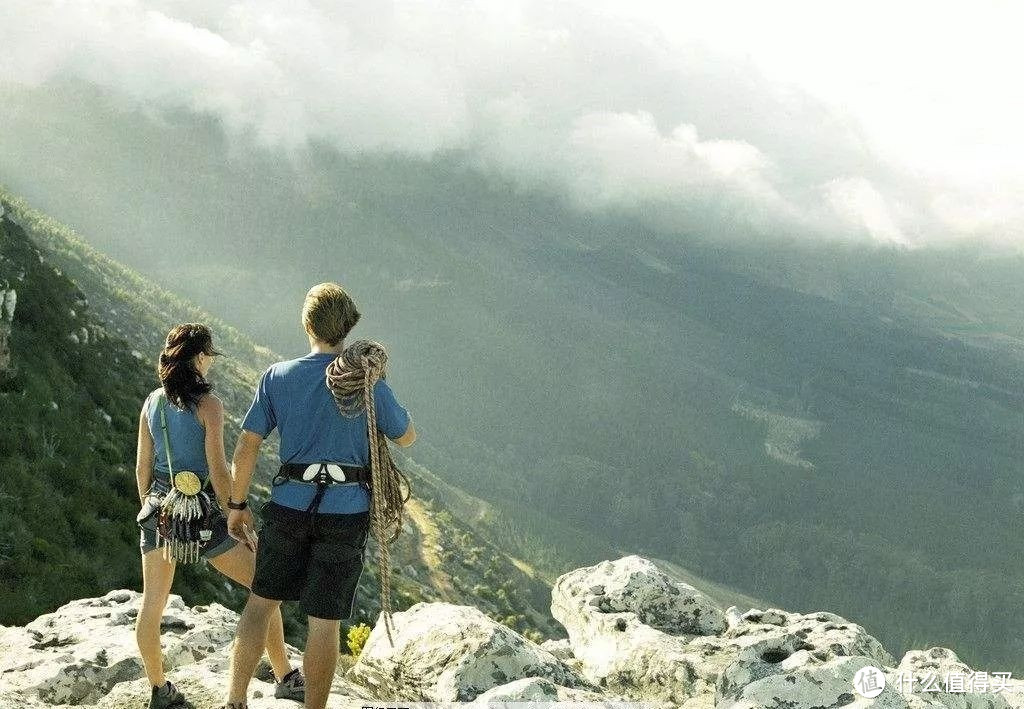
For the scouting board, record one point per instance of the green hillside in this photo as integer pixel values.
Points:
(56, 456)
(69, 406)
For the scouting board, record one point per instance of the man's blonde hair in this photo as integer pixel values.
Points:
(329, 313)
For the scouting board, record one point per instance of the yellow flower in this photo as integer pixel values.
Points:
(357, 636)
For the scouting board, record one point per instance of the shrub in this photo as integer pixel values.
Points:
(357, 636)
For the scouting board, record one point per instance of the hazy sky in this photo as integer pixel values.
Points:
(935, 85)
(890, 122)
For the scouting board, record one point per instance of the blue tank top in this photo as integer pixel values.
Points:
(187, 436)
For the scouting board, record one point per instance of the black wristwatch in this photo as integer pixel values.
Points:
(237, 505)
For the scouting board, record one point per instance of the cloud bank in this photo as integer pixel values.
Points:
(574, 98)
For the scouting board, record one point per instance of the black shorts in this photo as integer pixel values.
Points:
(320, 566)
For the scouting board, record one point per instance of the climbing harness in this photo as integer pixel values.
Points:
(322, 475)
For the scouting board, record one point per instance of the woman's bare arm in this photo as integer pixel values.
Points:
(211, 413)
(144, 455)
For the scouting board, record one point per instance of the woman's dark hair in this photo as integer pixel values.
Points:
(182, 382)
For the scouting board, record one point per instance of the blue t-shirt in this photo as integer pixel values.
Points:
(186, 434)
(293, 397)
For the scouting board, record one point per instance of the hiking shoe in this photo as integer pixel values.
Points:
(292, 686)
(167, 697)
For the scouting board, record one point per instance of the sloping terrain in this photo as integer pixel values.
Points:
(83, 345)
(847, 417)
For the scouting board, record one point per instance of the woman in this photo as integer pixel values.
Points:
(195, 430)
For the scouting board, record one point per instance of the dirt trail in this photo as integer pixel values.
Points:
(430, 539)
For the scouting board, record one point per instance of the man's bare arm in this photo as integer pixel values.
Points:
(407, 438)
(240, 525)
(243, 464)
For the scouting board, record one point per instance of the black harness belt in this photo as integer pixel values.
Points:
(322, 475)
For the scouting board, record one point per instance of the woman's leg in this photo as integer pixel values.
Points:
(239, 564)
(157, 575)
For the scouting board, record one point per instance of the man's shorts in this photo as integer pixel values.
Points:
(219, 543)
(318, 565)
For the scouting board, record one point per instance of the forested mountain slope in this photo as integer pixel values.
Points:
(82, 341)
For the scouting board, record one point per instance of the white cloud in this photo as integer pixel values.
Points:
(616, 161)
(616, 108)
(857, 202)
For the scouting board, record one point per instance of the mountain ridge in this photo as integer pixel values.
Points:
(118, 308)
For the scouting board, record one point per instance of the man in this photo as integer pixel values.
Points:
(315, 530)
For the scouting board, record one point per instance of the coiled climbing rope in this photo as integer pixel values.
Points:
(351, 378)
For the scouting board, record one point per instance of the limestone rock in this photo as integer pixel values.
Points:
(631, 637)
(636, 585)
(559, 648)
(446, 652)
(938, 676)
(630, 624)
(822, 634)
(733, 617)
(800, 681)
(539, 689)
(204, 684)
(8, 302)
(85, 652)
(78, 653)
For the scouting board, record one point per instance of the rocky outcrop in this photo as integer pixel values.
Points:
(84, 654)
(634, 633)
(630, 627)
(449, 653)
(8, 301)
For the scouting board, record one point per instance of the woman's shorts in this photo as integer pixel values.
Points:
(219, 543)
(318, 565)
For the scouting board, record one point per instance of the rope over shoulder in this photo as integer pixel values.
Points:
(351, 377)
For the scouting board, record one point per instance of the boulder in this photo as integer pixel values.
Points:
(85, 650)
(789, 650)
(633, 585)
(799, 681)
(822, 634)
(629, 624)
(937, 675)
(446, 653)
(540, 689)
